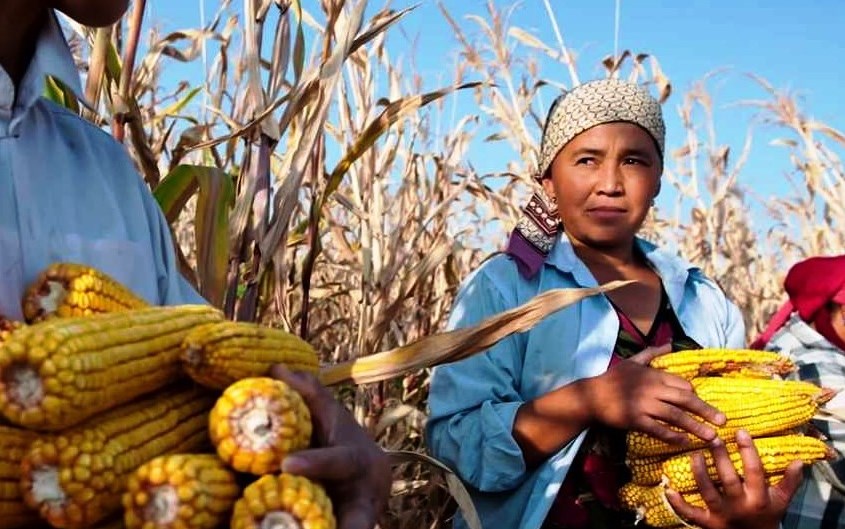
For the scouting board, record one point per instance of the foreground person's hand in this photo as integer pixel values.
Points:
(745, 503)
(354, 469)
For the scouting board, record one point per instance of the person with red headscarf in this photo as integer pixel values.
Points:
(810, 329)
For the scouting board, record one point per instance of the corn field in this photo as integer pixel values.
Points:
(311, 186)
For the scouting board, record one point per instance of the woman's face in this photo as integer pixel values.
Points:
(604, 181)
(96, 13)
(837, 320)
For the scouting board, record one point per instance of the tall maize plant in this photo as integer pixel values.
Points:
(314, 184)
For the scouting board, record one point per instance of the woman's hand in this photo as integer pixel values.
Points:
(354, 469)
(750, 503)
(633, 396)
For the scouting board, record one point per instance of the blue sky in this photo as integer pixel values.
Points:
(794, 45)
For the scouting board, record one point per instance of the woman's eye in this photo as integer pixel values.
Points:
(634, 161)
(585, 161)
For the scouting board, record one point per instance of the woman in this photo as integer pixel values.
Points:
(810, 329)
(535, 425)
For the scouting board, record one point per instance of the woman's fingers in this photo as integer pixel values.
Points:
(708, 490)
(753, 472)
(661, 431)
(728, 476)
(650, 353)
(694, 515)
(674, 416)
(782, 492)
(692, 403)
(335, 463)
(709, 493)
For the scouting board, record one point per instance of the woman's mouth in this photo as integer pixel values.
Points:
(606, 213)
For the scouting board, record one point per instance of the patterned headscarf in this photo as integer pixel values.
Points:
(585, 106)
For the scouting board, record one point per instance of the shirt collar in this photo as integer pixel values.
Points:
(52, 57)
(673, 270)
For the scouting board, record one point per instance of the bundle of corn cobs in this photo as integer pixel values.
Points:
(749, 388)
(117, 414)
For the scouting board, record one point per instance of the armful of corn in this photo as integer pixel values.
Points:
(746, 386)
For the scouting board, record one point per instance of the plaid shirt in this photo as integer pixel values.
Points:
(820, 501)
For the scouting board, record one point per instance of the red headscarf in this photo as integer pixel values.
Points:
(811, 285)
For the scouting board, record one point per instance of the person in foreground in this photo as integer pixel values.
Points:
(809, 329)
(69, 192)
(535, 425)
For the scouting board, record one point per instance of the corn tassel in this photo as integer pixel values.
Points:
(14, 443)
(760, 416)
(702, 362)
(220, 354)
(283, 501)
(257, 422)
(177, 491)
(71, 289)
(76, 478)
(57, 373)
(776, 453)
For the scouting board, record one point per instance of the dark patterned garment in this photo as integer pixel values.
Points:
(588, 496)
(820, 500)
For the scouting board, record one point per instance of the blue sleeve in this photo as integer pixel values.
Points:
(173, 288)
(473, 402)
(734, 327)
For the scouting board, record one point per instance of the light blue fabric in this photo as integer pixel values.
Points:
(69, 192)
(473, 402)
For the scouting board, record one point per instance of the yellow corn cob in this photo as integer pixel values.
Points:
(652, 507)
(719, 389)
(700, 362)
(176, 491)
(283, 501)
(76, 478)
(71, 289)
(14, 442)
(257, 422)
(59, 372)
(8, 326)
(760, 416)
(219, 354)
(776, 454)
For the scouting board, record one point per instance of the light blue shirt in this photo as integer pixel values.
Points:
(473, 402)
(69, 192)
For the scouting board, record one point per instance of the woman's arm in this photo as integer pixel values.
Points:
(472, 403)
(628, 396)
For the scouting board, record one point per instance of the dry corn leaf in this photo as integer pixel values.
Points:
(456, 487)
(458, 344)
(393, 416)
